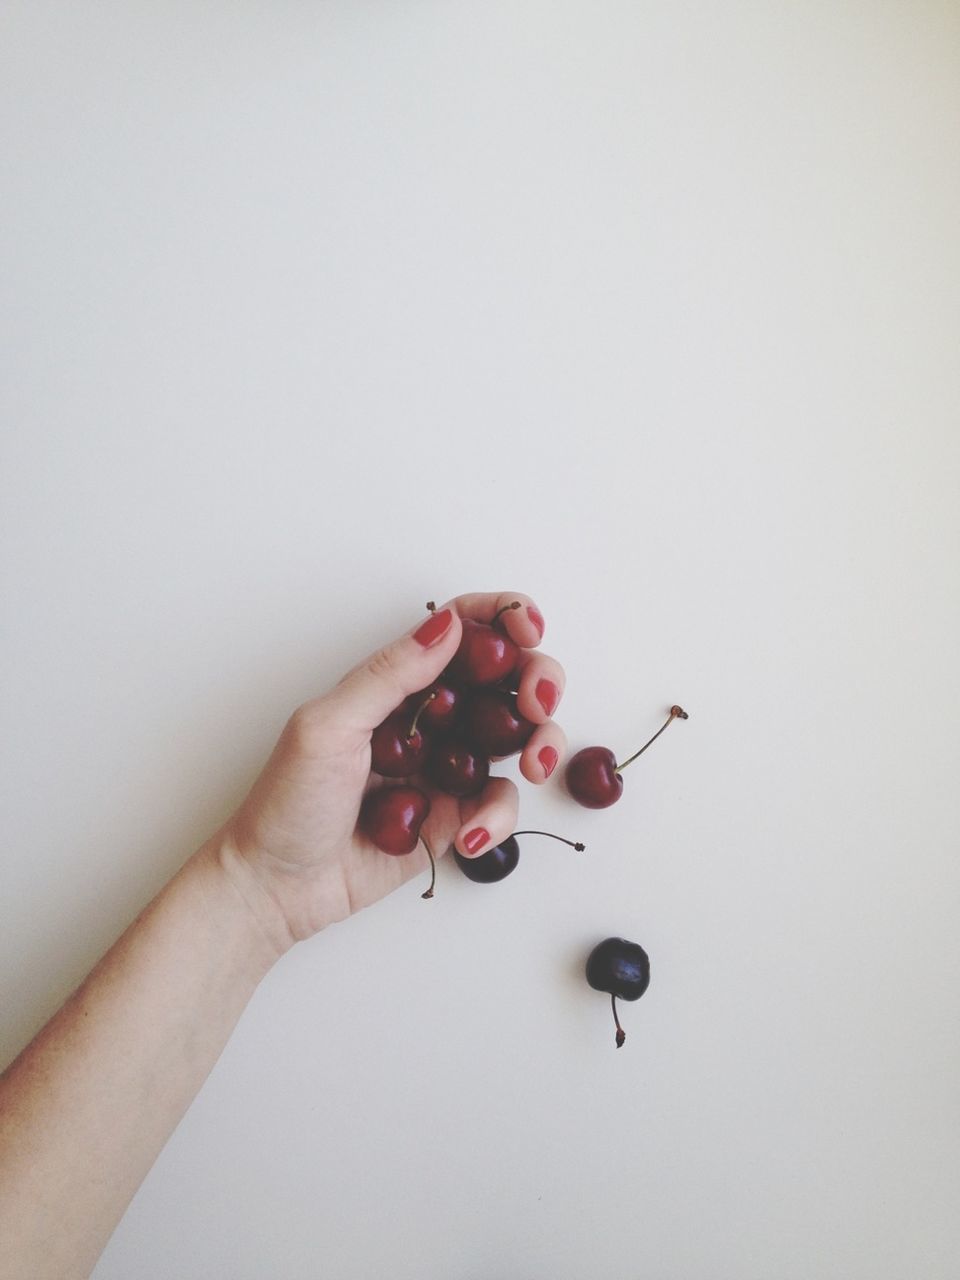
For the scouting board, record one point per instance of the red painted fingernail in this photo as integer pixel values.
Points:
(435, 627)
(536, 617)
(548, 757)
(548, 695)
(476, 839)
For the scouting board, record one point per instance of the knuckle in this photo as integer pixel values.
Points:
(383, 667)
(307, 726)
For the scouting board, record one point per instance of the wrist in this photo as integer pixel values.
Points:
(237, 882)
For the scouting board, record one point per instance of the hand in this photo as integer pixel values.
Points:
(292, 846)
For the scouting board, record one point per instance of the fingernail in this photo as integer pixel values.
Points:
(435, 627)
(548, 757)
(536, 617)
(474, 840)
(548, 695)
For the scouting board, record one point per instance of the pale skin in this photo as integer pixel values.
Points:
(88, 1105)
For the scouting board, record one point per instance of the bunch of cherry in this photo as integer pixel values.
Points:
(448, 734)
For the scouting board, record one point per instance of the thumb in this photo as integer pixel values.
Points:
(367, 694)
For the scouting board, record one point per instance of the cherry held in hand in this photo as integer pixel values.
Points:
(437, 706)
(392, 817)
(593, 775)
(493, 724)
(397, 747)
(457, 768)
(485, 655)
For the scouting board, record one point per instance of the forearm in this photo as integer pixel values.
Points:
(90, 1103)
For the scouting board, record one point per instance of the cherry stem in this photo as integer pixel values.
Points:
(431, 606)
(420, 710)
(506, 609)
(621, 1034)
(433, 869)
(676, 713)
(574, 844)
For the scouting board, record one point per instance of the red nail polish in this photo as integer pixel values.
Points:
(548, 695)
(548, 757)
(474, 840)
(536, 617)
(435, 627)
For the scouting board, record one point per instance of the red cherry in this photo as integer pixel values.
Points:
(441, 712)
(395, 751)
(392, 817)
(456, 768)
(485, 655)
(593, 775)
(493, 724)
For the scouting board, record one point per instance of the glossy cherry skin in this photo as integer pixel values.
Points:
(456, 768)
(485, 655)
(492, 723)
(496, 864)
(592, 778)
(440, 715)
(620, 968)
(392, 753)
(392, 817)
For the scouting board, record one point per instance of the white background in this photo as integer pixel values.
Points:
(312, 312)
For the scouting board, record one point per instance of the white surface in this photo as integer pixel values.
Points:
(313, 312)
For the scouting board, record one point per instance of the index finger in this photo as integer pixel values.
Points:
(523, 624)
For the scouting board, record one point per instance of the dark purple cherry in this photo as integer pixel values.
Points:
(485, 655)
(498, 862)
(593, 775)
(493, 724)
(392, 817)
(457, 768)
(620, 968)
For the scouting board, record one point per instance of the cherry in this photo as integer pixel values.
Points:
(498, 862)
(593, 775)
(392, 817)
(622, 969)
(441, 712)
(456, 768)
(397, 747)
(494, 725)
(485, 655)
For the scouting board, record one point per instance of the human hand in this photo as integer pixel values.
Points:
(292, 847)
